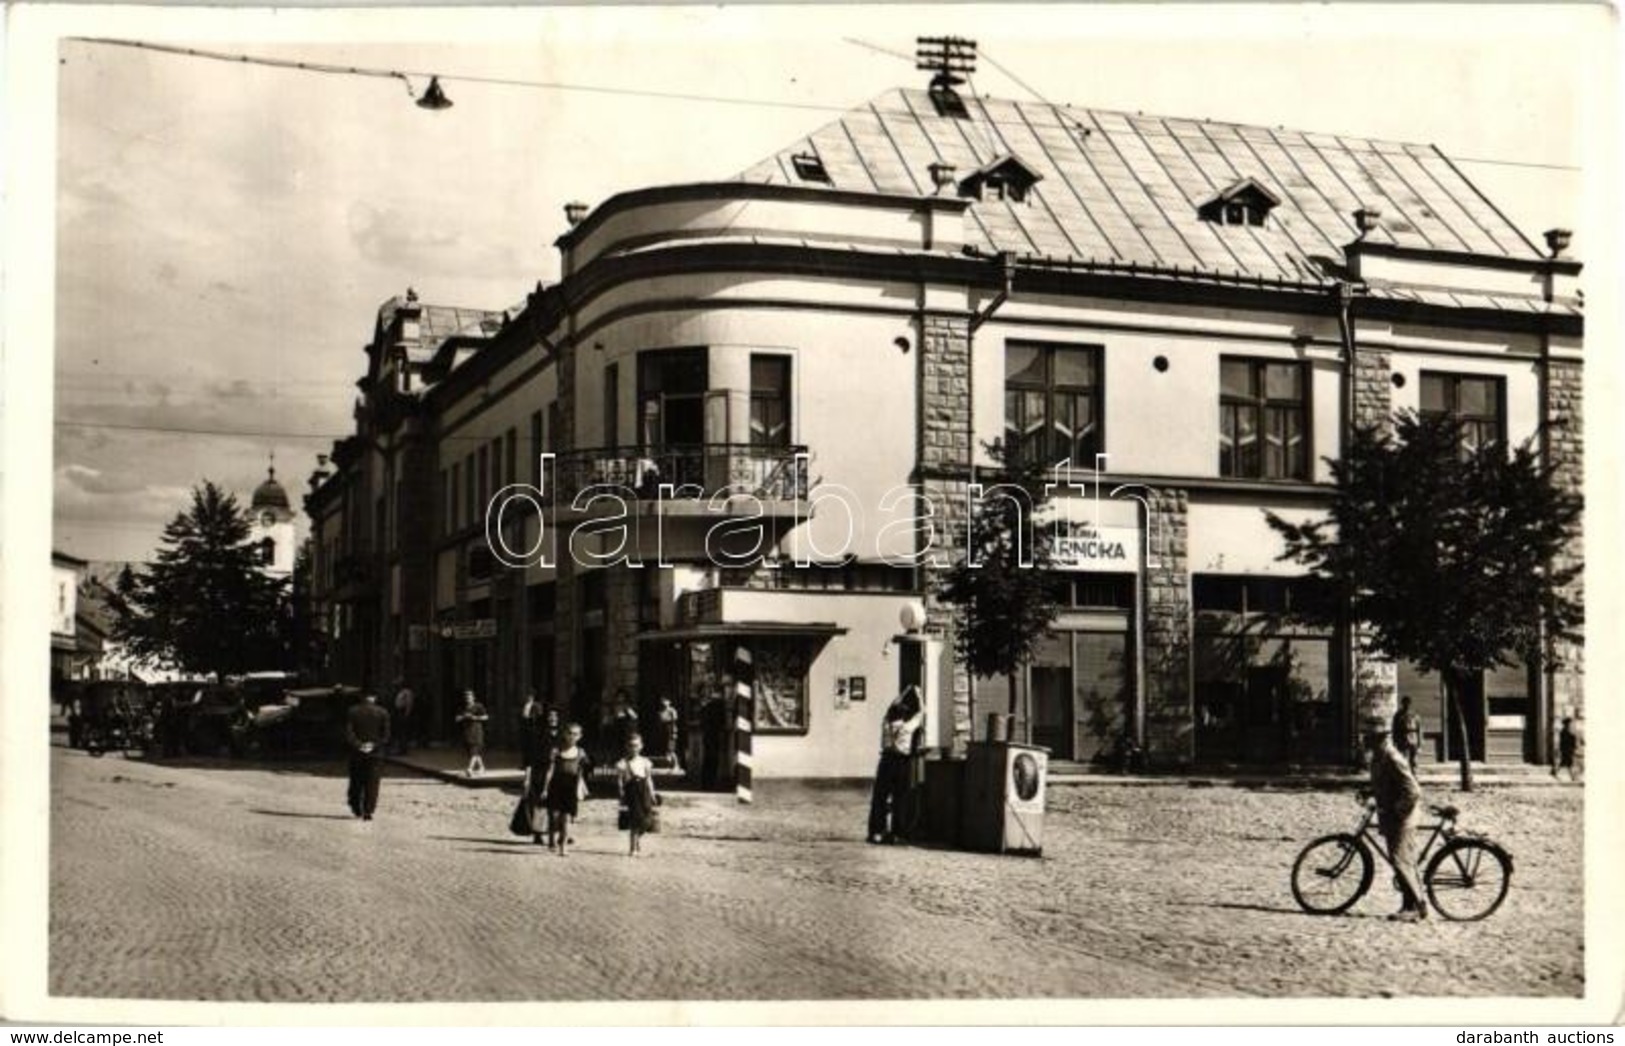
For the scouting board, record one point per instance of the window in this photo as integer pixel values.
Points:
(555, 426)
(267, 551)
(510, 456)
(1245, 202)
(1263, 419)
(998, 187)
(535, 445)
(1052, 397)
(671, 397)
(1475, 402)
(612, 404)
(471, 492)
(444, 502)
(809, 168)
(781, 686)
(1101, 591)
(769, 401)
(495, 482)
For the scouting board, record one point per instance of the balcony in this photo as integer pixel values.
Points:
(695, 473)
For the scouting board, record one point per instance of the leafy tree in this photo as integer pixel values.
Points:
(1004, 585)
(1453, 560)
(204, 605)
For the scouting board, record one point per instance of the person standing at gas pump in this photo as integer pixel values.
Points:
(904, 717)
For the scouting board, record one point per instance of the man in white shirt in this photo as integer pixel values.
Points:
(1399, 800)
(903, 718)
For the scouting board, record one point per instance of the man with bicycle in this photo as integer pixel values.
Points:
(1399, 799)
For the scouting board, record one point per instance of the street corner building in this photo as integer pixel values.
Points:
(801, 358)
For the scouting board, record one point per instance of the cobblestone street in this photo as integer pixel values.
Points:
(251, 882)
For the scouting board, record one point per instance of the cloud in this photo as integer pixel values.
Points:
(95, 481)
(389, 236)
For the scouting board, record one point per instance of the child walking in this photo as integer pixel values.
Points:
(635, 776)
(565, 787)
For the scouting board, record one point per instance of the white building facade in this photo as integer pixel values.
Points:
(780, 388)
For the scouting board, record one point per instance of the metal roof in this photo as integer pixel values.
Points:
(1126, 187)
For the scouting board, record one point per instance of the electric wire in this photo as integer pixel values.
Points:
(406, 75)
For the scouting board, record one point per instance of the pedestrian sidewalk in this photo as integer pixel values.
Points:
(450, 764)
(502, 768)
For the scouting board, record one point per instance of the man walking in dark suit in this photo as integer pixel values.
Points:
(367, 731)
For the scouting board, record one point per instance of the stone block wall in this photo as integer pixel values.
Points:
(1169, 722)
(944, 465)
(1566, 442)
(1373, 388)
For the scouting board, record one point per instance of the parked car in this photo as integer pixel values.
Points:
(307, 721)
(215, 721)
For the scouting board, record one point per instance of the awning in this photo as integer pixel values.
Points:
(738, 629)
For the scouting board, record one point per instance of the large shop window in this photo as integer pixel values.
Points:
(1474, 401)
(781, 686)
(671, 398)
(1052, 397)
(1264, 686)
(1263, 419)
(769, 401)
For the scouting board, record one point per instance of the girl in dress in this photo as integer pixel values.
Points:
(565, 787)
(635, 775)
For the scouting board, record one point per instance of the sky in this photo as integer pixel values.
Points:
(225, 233)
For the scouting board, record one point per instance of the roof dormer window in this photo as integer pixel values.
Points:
(1244, 203)
(1006, 178)
(809, 168)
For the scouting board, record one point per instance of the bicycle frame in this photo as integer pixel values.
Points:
(1440, 831)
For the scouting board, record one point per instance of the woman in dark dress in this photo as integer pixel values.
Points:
(544, 735)
(566, 786)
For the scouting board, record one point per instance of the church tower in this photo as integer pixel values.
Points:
(271, 526)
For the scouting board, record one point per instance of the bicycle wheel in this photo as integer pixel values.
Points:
(1331, 874)
(1468, 879)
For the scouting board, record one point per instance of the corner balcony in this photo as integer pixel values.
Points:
(696, 479)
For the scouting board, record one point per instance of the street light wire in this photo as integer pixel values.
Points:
(406, 76)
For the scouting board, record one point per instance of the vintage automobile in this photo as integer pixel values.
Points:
(307, 721)
(112, 715)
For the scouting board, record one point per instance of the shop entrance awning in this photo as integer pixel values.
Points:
(744, 629)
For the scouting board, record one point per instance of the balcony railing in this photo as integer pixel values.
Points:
(695, 472)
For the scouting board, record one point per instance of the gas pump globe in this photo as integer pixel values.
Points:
(919, 663)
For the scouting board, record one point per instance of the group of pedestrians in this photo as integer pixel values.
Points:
(557, 768)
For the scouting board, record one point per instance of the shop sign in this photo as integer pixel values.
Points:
(480, 628)
(1084, 546)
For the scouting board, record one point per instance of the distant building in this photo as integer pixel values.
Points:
(271, 527)
(1199, 309)
(67, 659)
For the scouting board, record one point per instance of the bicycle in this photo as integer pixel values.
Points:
(1466, 879)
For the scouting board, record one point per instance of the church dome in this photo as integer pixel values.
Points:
(270, 494)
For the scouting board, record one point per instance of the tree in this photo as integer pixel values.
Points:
(1003, 584)
(1453, 560)
(204, 605)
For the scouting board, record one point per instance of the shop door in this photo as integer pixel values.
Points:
(1102, 689)
(1052, 709)
(1263, 732)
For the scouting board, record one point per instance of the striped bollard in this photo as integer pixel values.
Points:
(744, 719)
